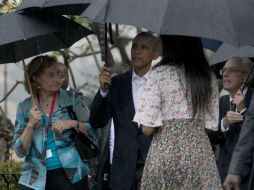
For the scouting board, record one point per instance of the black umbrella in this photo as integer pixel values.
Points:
(225, 20)
(23, 36)
(63, 7)
(36, 33)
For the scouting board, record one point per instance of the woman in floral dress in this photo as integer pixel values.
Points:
(179, 104)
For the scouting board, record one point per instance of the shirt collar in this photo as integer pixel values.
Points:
(136, 77)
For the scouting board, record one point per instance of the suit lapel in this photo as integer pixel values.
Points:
(128, 95)
(126, 99)
(225, 104)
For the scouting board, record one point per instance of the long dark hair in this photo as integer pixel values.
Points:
(187, 53)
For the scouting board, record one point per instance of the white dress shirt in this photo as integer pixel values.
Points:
(223, 128)
(138, 84)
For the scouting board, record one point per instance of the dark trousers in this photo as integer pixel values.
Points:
(139, 171)
(106, 174)
(138, 175)
(57, 180)
(22, 187)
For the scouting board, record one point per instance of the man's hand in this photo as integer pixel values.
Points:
(239, 100)
(105, 78)
(232, 117)
(232, 182)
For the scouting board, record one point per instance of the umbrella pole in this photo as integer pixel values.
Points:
(103, 42)
(247, 80)
(104, 46)
(21, 55)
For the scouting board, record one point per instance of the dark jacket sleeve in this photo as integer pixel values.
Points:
(100, 111)
(242, 158)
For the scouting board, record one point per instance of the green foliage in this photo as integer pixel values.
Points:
(82, 21)
(16, 3)
(10, 167)
(7, 6)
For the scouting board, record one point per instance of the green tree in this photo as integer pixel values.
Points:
(10, 172)
(9, 6)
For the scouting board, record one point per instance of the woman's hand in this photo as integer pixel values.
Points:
(33, 123)
(61, 125)
(148, 131)
(34, 118)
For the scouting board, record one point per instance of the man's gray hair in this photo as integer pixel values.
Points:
(246, 66)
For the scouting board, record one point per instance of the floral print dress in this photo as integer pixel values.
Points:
(180, 156)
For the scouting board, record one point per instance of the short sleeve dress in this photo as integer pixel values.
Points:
(180, 156)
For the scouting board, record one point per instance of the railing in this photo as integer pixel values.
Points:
(8, 181)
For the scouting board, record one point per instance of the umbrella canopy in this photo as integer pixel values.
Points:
(225, 20)
(224, 52)
(63, 7)
(36, 33)
(212, 45)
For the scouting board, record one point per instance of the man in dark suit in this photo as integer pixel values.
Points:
(232, 108)
(106, 140)
(242, 163)
(119, 101)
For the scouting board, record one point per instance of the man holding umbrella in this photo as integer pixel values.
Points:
(232, 109)
(119, 102)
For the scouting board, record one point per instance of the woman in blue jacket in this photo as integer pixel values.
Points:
(43, 131)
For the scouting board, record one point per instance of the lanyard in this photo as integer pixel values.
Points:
(50, 114)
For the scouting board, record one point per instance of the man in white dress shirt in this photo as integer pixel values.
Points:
(119, 102)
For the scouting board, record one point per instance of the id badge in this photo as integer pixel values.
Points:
(48, 153)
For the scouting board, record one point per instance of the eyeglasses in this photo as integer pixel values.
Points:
(231, 71)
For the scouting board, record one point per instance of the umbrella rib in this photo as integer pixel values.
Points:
(231, 19)
(247, 80)
(21, 54)
(61, 39)
(165, 12)
(106, 9)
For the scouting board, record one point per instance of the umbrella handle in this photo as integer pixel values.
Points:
(104, 46)
(27, 78)
(247, 80)
(21, 55)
